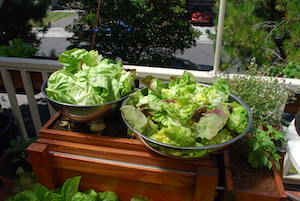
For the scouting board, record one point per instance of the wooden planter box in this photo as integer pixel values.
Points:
(121, 165)
(236, 193)
(128, 168)
(293, 107)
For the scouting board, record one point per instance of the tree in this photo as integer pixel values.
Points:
(265, 29)
(15, 16)
(137, 31)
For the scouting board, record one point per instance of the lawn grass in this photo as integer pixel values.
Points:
(52, 17)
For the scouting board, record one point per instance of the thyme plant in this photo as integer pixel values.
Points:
(266, 98)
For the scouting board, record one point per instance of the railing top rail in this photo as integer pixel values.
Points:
(142, 71)
(27, 63)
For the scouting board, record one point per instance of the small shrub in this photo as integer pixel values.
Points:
(17, 49)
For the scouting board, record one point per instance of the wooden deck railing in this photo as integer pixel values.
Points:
(26, 67)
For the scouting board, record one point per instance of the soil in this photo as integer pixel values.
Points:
(3, 122)
(7, 132)
(247, 178)
(114, 127)
(9, 165)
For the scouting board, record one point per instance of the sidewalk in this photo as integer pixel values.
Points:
(53, 32)
(204, 36)
(57, 29)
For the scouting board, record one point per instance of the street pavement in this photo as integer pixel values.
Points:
(54, 42)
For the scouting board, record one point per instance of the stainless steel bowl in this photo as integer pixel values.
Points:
(188, 152)
(84, 113)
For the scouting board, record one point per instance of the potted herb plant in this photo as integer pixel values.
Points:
(262, 148)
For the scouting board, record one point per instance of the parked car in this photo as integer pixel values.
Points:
(110, 26)
(201, 17)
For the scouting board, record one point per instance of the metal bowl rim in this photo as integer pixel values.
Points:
(236, 98)
(43, 87)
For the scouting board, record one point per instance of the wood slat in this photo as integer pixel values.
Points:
(11, 92)
(42, 165)
(92, 140)
(244, 195)
(31, 100)
(120, 170)
(45, 76)
(206, 182)
(51, 120)
(131, 156)
(228, 173)
(278, 181)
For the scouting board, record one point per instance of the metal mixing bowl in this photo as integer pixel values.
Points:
(84, 113)
(188, 152)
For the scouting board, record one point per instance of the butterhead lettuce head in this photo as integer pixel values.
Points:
(88, 79)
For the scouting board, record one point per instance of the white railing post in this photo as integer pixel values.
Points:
(45, 76)
(10, 89)
(31, 100)
(219, 36)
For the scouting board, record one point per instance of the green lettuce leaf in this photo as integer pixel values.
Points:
(108, 196)
(126, 83)
(155, 85)
(211, 123)
(70, 188)
(138, 198)
(79, 196)
(175, 135)
(134, 117)
(59, 87)
(151, 128)
(218, 92)
(238, 119)
(187, 78)
(26, 195)
(92, 193)
(42, 193)
(222, 137)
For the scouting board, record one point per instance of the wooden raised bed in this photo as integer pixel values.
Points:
(127, 167)
(249, 184)
(121, 165)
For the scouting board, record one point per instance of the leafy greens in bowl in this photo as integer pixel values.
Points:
(185, 119)
(88, 86)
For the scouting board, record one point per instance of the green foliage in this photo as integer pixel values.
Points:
(158, 29)
(17, 49)
(265, 29)
(19, 145)
(265, 98)
(138, 198)
(14, 20)
(263, 147)
(26, 180)
(68, 192)
(290, 70)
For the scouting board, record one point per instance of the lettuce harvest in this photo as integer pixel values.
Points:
(184, 113)
(88, 79)
(68, 192)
